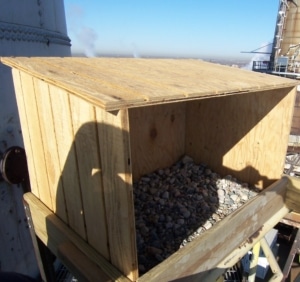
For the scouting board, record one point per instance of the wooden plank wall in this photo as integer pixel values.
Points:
(79, 167)
(113, 132)
(157, 136)
(245, 136)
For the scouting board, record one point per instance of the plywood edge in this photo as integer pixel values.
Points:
(55, 234)
(106, 103)
(111, 101)
(195, 260)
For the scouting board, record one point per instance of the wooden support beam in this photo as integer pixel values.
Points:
(80, 265)
(242, 250)
(293, 194)
(59, 238)
(277, 273)
(43, 255)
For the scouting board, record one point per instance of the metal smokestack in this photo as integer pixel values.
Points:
(286, 41)
(27, 28)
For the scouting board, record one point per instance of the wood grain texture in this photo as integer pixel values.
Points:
(90, 173)
(20, 95)
(65, 135)
(80, 265)
(54, 233)
(36, 142)
(293, 195)
(114, 83)
(113, 134)
(245, 136)
(157, 136)
(50, 147)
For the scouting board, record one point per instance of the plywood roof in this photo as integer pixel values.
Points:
(115, 83)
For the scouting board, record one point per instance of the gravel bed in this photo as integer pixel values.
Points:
(177, 204)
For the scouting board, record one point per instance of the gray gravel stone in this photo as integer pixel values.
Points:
(175, 205)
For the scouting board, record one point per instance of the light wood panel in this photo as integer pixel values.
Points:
(90, 173)
(20, 96)
(114, 83)
(113, 134)
(36, 142)
(54, 233)
(157, 136)
(64, 135)
(245, 136)
(50, 147)
(293, 195)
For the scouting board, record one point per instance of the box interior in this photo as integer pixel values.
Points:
(236, 135)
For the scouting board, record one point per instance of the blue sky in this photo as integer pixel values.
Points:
(177, 28)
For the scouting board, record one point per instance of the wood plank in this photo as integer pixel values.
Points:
(293, 194)
(157, 136)
(50, 148)
(42, 253)
(196, 259)
(53, 232)
(90, 173)
(80, 265)
(67, 160)
(25, 132)
(113, 134)
(36, 142)
(100, 93)
(236, 255)
(242, 135)
(114, 83)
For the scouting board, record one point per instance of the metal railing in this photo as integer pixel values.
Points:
(288, 68)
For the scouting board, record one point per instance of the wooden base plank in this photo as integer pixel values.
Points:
(293, 194)
(42, 253)
(53, 232)
(80, 265)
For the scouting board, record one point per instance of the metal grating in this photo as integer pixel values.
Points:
(292, 164)
(63, 275)
(233, 274)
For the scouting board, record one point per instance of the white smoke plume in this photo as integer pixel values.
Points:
(135, 51)
(83, 37)
(87, 38)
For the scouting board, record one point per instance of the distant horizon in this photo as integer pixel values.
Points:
(171, 28)
(126, 55)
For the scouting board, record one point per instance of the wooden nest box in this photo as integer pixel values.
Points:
(92, 126)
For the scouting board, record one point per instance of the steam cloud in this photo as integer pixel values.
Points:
(265, 48)
(87, 37)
